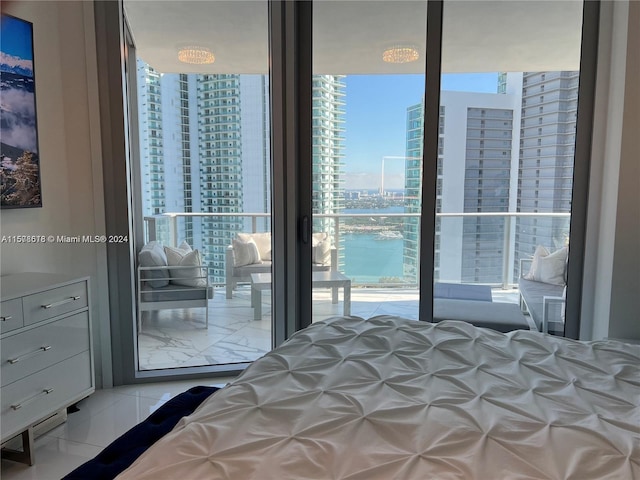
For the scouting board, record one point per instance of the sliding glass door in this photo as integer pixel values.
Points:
(321, 165)
(480, 158)
(368, 83)
(200, 87)
(507, 134)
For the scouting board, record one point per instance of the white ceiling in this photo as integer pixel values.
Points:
(349, 36)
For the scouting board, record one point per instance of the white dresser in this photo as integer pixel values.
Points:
(45, 350)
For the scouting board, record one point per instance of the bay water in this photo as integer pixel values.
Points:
(367, 257)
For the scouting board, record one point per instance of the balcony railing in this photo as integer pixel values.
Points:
(465, 242)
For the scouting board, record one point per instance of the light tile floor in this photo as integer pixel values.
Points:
(101, 418)
(178, 338)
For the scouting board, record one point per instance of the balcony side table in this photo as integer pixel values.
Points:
(322, 279)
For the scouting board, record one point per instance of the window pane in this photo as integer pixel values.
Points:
(505, 166)
(369, 62)
(202, 100)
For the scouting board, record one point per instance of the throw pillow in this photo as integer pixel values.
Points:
(263, 242)
(152, 255)
(245, 253)
(540, 252)
(548, 267)
(320, 248)
(185, 246)
(188, 277)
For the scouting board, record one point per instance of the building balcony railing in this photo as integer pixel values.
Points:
(470, 247)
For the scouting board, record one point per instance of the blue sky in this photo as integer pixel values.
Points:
(16, 38)
(376, 107)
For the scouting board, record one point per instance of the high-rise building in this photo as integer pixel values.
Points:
(233, 141)
(205, 148)
(151, 140)
(547, 147)
(328, 119)
(165, 148)
(474, 165)
(507, 152)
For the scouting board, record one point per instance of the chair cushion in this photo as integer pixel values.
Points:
(245, 271)
(503, 317)
(533, 293)
(174, 293)
(152, 255)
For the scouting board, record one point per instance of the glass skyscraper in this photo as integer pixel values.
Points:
(205, 148)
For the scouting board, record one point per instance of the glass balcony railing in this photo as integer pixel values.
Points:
(382, 249)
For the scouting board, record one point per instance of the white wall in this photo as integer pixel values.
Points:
(70, 159)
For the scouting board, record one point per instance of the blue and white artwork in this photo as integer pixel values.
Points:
(19, 159)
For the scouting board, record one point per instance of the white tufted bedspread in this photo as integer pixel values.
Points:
(388, 398)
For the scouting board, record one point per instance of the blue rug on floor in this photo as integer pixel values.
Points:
(122, 452)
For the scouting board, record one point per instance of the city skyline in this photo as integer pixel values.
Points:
(213, 131)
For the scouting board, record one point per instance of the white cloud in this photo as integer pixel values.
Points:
(14, 62)
(18, 119)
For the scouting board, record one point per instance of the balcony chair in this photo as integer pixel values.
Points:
(164, 284)
(251, 253)
(543, 288)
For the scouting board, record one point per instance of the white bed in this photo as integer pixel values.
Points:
(388, 398)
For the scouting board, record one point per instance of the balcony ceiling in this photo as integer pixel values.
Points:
(349, 36)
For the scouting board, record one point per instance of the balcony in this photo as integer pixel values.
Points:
(472, 248)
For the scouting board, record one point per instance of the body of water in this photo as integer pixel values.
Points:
(368, 258)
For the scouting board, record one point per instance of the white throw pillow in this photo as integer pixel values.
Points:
(189, 277)
(263, 242)
(548, 267)
(245, 253)
(152, 255)
(320, 248)
(185, 246)
(540, 252)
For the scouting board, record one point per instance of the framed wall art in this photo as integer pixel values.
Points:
(19, 154)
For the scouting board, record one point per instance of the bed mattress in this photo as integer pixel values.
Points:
(389, 398)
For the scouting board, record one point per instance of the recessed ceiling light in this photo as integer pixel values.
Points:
(196, 55)
(400, 54)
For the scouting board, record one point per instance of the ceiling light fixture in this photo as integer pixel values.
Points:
(400, 54)
(196, 55)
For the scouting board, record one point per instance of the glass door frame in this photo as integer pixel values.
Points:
(290, 32)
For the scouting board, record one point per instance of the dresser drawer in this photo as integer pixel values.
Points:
(37, 396)
(28, 352)
(11, 315)
(50, 303)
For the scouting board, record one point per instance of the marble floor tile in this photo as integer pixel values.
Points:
(177, 338)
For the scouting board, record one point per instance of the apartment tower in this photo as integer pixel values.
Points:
(474, 173)
(205, 148)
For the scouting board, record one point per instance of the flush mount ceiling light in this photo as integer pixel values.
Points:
(196, 55)
(400, 54)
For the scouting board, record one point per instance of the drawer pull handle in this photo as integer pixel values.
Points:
(18, 406)
(8, 317)
(62, 302)
(30, 354)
